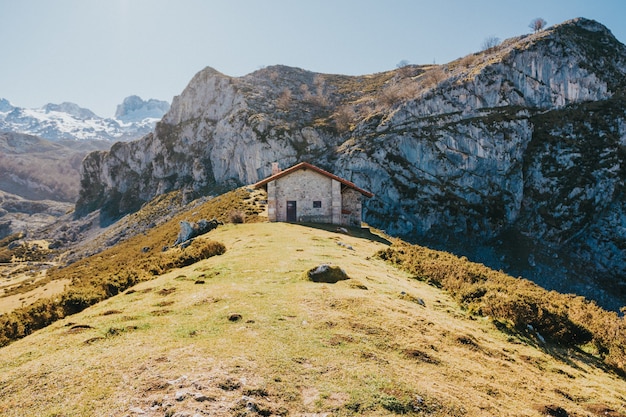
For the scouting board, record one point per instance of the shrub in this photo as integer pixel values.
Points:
(77, 299)
(391, 403)
(120, 282)
(180, 257)
(237, 217)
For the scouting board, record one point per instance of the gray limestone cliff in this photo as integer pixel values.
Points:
(513, 156)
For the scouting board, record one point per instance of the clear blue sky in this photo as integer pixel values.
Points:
(96, 52)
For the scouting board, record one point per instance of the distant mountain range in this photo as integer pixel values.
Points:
(68, 121)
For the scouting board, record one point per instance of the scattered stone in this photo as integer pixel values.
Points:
(180, 395)
(178, 382)
(345, 245)
(55, 245)
(327, 274)
(409, 297)
(136, 410)
(189, 230)
(200, 397)
(145, 249)
(249, 403)
(199, 281)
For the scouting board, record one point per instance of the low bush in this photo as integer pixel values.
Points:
(237, 217)
(195, 252)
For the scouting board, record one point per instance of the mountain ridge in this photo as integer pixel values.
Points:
(458, 155)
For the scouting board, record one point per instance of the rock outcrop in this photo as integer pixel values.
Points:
(514, 155)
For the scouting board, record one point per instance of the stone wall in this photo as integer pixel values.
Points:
(351, 207)
(319, 199)
(304, 186)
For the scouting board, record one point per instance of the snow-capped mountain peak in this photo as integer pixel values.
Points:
(134, 109)
(5, 106)
(134, 118)
(72, 109)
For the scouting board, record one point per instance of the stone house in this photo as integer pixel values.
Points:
(306, 193)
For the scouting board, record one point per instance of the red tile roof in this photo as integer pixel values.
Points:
(306, 165)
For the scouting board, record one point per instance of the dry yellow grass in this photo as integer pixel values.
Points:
(245, 333)
(139, 256)
(49, 289)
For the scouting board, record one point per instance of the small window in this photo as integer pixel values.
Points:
(317, 204)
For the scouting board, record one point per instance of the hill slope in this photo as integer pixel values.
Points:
(513, 156)
(245, 333)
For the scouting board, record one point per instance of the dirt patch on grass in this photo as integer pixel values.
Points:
(420, 356)
(167, 291)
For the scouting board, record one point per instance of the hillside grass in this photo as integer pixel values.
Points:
(139, 258)
(245, 333)
(518, 305)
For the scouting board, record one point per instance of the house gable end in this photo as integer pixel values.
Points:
(306, 165)
(306, 193)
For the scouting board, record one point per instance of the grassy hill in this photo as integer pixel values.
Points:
(247, 333)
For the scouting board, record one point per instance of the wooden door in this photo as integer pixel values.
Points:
(291, 211)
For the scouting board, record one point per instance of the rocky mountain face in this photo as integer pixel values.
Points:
(514, 156)
(18, 214)
(68, 121)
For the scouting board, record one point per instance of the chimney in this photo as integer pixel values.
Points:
(275, 168)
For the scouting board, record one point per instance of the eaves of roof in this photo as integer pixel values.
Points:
(306, 165)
